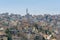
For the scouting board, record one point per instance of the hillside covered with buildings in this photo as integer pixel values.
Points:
(29, 27)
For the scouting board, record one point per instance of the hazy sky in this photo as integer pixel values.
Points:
(34, 6)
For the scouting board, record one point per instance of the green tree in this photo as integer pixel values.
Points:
(24, 38)
(8, 34)
(47, 32)
(39, 38)
(36, 26)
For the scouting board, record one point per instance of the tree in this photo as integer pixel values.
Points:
(36, 26)
(24, 38)
(39, 38)
(47, 32)
(8, 34)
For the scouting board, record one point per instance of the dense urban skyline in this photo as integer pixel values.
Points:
(34, 6)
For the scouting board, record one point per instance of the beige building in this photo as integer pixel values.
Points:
(16, 38)
(3, 37)
(2, 34)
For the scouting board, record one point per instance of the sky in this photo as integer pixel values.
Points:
(35, 7)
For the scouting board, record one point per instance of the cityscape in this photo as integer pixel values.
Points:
(29, 27)
(29, 19)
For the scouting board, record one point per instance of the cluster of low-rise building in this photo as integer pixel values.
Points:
(27, 27)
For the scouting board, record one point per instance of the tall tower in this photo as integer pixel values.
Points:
(27, 11)
(27, 14)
